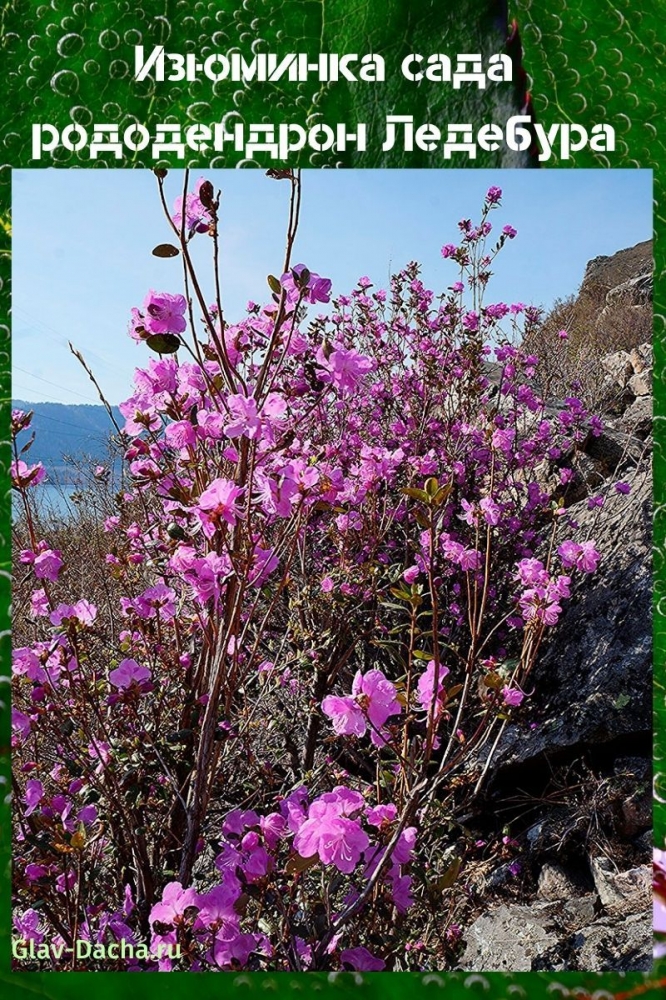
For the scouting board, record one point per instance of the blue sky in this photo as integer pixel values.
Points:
(82, 242)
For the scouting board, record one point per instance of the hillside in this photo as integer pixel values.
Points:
(63, 431)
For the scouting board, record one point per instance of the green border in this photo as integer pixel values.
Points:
(557, 36)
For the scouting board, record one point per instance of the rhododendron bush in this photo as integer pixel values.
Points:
(338, 544)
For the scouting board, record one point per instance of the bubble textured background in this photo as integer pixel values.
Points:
(587, 61)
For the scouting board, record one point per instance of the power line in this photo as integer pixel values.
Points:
(82, 432)
(55, 384)
(61, 339)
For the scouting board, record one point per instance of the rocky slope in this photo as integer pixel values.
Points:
(572, 778)
(624, 276)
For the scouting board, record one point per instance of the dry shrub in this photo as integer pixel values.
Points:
(573, 366)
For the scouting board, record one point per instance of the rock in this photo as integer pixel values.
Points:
(613, 451)
(635, 292)
(643, 843)
(637, 418)
(556, 937)
(593, 682)
(512, 938)
(641, 383)
(556, 883)
(636, 814)
(633, 776)
(605, 273)
(499, 877)
(618, 366)
(579, 911)
(622, 893)
(646, 353)
(615, 947)
(637, 361)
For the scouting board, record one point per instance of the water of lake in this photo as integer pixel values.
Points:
(50, 499)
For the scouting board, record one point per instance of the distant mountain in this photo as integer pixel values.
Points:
(64, 431)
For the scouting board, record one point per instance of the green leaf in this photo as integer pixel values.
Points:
(446, 880)
(442, 494)
(296, 864)
(163, 343)
(417, 494)
(165, 250)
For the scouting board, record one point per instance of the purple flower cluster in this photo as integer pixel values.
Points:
(323, 518)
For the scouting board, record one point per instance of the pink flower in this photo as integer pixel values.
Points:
(471, 514)
(562, 334)
(27, 475)
(342, 842)
(87, 815)
(512, 696)
(381, 815)
(180, 434)
(34, 872)
(361, 960)
(175, 900)
(401, 886)
(46, 562)
(128, 672)
(331, 831)
(197, 218)
(471, 321)
(348, 719)
(343, 367)
(623, 488)
(327, 585)
(273, 828)
(377, 695)
(411, 574)
(218, 503)
(503, 439)
(231, 948)
(402, 852)
(509, 231)
(583, 556)
(245, 418)
(372, 699)
(82, 613)
(537, 605)
(217, 905)
(28, 925)
(589, 558)
(490, 510)
(34, 793)
(531, 573)
(336, 839)
(426, 693)
(21, 722)
(164, 313)
(39, 604)
(315, 289)
(493, 195)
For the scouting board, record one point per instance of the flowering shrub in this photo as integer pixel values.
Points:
(326, 581)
